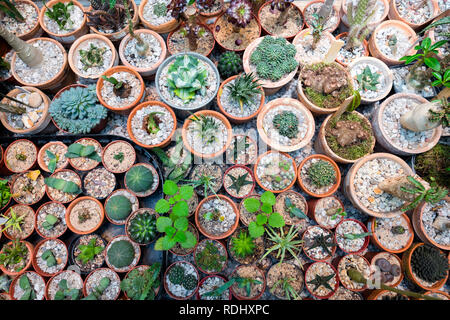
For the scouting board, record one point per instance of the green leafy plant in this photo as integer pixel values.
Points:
(293, 210)
(210, 259)
(139, 179)
(13, 221)
(141, 285)
(118, 207)
(174, 226)
(368, 80)
(65, 292)
(77, 110)
(142, 227)
(289, 291)
(49, 258)
(98, 290)
(354, 236)
(432, 195)
(121, 253)
(283, 244)
(28, 290)
(243, 245)
(186, 77)
(286, 123)
(77, 150)
(5, 192)
(244, 89)
(273, 58)
(62, 185)
(239, 182)
(119, 157)
(339, 213)
(206, 127)
(13, 254)
(10, 10)
(89, 251)
(230, 64)
(60, 14)
(321, 173)
(93, 57)
(319, 281)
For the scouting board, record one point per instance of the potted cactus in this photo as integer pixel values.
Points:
(141, 179)
(141, 226)
(119, 205)
(229, 64)
(87, 252)
(181, 280)
(147, 278)
(281, 18)
(16, 257)
(122, 254)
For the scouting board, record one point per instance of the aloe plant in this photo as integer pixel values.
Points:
(239, 182)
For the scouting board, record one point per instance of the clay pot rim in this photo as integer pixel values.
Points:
(106, 202)
(62, 170)
(290, 5)
(15, 176)
(181, 25)
(150, 103)
(329, 295)
(50, 4)
(191, 250)
(37, 25)
(47, 285)
(395, 15)
(5, 232)
(212, 276)
(438, 291)
(34, 258)
(230, 116)
(251, 175)
(212, 14)
(27, 266)
(431, 143)
(217, 116)
(137, 252)
(108, 73)
(292, 103)
(262, 275)
(14, 281)
(372, 262)
(134, 214)
(45, 114)
(165, 282)
(378, 243)
(338, 261)
(141, 17)
(36, 219)
(336, 185)
(127, 38)
(226, 256)
(366, 238)
(6, 153)
(251, 142)
(313, 213)
(256, 167)
(105, 165)
(69, 211)
(232, 228)
(148, 192)
(101, 153)
(47, 82)
(365, 45)
(334, 9)
(40, 157)
(116, 276)
(333, 250)
(78, 42)
(297, 194)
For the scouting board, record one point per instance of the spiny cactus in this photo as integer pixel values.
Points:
(358, 21)
(230, 64)
(189, 282)
(121, 254)
(429, 263)
(176, 274)
(139, 179)
(286, 123)
(77, 110)
(118, 207)
(243, 245)
(321, 173)
(142, 227)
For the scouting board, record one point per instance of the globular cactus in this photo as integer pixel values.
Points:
(176, 274)
(190, 282)
(321, 173)
(358, 21)
(429, 263)
(142, 227)
(118, 207)
(139, 179)
(121, 254)
(230, 64)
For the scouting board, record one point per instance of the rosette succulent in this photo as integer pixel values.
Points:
(240, 13)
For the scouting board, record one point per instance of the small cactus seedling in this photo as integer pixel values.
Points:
(151, 122)
(358, 20)
(121, 254)
(176, 274)
(118, 207)
(142, 228)
(230, 64)
(368, 80)
(429, 263)
(160, 9)
(321, 173)
(190, 282)
(139, 179)
(92, 57)
(286, 123)
(120, 88)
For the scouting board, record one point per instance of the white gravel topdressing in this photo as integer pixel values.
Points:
(177, 289)
(59, 211)
(315, 8)
(94, 70)
(224, 216)
(232, 107)
(153, 53)
(271, 174)
(383, 232)
(73, 23)
(210, 284)
(74, 281)
(52, 63)
(399, 136)
(349, 227)
(368, 93)
(32, 115)
(37, 283)
(150, 16)
(30, 15)
(212, 141)
(307, 54)
(411, 11)
(94, 280)
(58, 250)
(398, 48)
(440, 34)
(435, 218)
(165, 125)
(347, 56)
(115, 101)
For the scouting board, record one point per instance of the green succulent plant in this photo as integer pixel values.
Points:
(368, 80)
(160, 9)
(322, 241)
(293, 210)
(286, 123)
(97, 291)
(28, 291)
(62, 185)
(93, 57)
(176, 274)
(142, 228)
(243, 245)
(321, 173)
(206, 127)
(320, 281)
(77, 150)
(121, 254)
(141, 285)
(239, 182)
(14, 253)
(49, 258)
(189, 282)
(244, 89)
(65, 292)
(429, 263)
(50, 221)
(432, 195)
(77, 110)
(230, 64)
(5, 192)
(118, 207)
(284, 243)
(60, 14)
(13, 221)
(139, 179)
(89, 251)
(210, 259)
(358, 19)
(288, 289)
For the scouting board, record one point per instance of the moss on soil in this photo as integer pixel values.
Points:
(435, 163)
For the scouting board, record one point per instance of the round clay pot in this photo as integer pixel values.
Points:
(212, 276)
(335, 287)
(364, 45)
(305, 60)
(155, 176)
(73, 49)
(126, 109)
(14, 282)
(195, 255)
(7, 213)
(407, 269)
(52, 176)
(69, 209)
(336, 261)
(366, 239)
(43, 121)
(105, 164)
(293, 103)
(270, 87)
(291, 6)
(371, 25)
(36, 220)
(166, 287)
(375, 50)
(234, 119)
(47, 286)
(34, 261)
(395, 15)
(36, 31)
(328, 257)
(375, 294)
(335, 167)
(40, 158)
(95, 164)
(251, 177)
(321, 144)
(349, 188)
(169, 39)
(371, 224)
(335, 10)
(162, 28)
(312, 203)
(8, 148)
(143, 267)
(92, 273)
(373, 258)
(166, 141)
(237, 296)
(381, 134)
(16, 198)
(134, 214)
(428, 293)
(147, 73)
(67, 38)
(137, 252)
(28, 264)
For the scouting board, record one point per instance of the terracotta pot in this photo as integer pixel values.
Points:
(336, 261)
(54, 84)
(321, 144)
(7, 213)
(114, 221)
(237, 296)
(166, 286)
(382, 136)
(169, 37)
(69, 210)
(312, 203)
(52, 176)
(128, 268)
(366, 239)
(85, 293)
(47, 286)
(335, 10)
(292, 7)
(250, 141)
(120, 110)
(36, 220)
(212, 276)
(95, 164)
(293, 103)
(34, 261)
(225, 234)
(251, 177)
(329, 295)
(148, 73)
(134, 214)
(328, 257)
(279, 206)
(189, 251)
(40, 158)
(407, 269)
(162, 28)
(27, 265)
(371, 25)
(14, 282)
(155, 176)
(66, 38)
(119, 35)
(144, 267)
(259, 182)
(303, 59)
(166, 141)
(270, 87)
(43, 121)
(234, 119)
(335, 167)
(349, 188)
(420, 229)
(373, 258)
(428, 293)
(375, 294)
(395, 15)
(371, 226)
(36, 31)
(73, 49)
(364, 45)
(196, 252)
(219, 117)
(8, 148)
(316, 110)
(105, 164)
(375, 50)
(16, 199)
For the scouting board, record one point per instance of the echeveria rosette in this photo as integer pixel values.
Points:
(240, 13)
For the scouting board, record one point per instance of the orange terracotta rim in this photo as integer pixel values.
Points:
(131, 266)
(101, 154)
(312, 203)
(259, 181)
(290, 4)
(108, 73)
(30, 248)
(116, 276)
(50, 4)
(52, 175)
(226, 256)
(153, 27)
(332, 190)
(69, 211)
(12, 185)
(264, 283)
(333, 250)
(212, 276)
(155, 175)
(366, 239)
(8, 149)
(375, 294)
(110, 144)
(374, 238)
(40, 157)
(372, 262)
(36, 219)
(114, 221)
(5, 232)
(339, 261)
(437, 291)
(192, 249)
(165, 282)
(299, 195)
(364, 44)
(395, 15)
(230, 116)
(251, 175)
(141, 266)
(47, 286)
(225, 234)
(134, 214)
(334, 9)
(34, 260)
(329, 295)
(213, 114)
(166, 141)
(57, 95)
(14, 281)
(36, 26)
(181, 26)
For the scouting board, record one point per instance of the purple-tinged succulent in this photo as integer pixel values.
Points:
(240, 13)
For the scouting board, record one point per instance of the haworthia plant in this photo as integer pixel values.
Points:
(62, 185)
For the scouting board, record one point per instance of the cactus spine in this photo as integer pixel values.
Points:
(358, 21)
